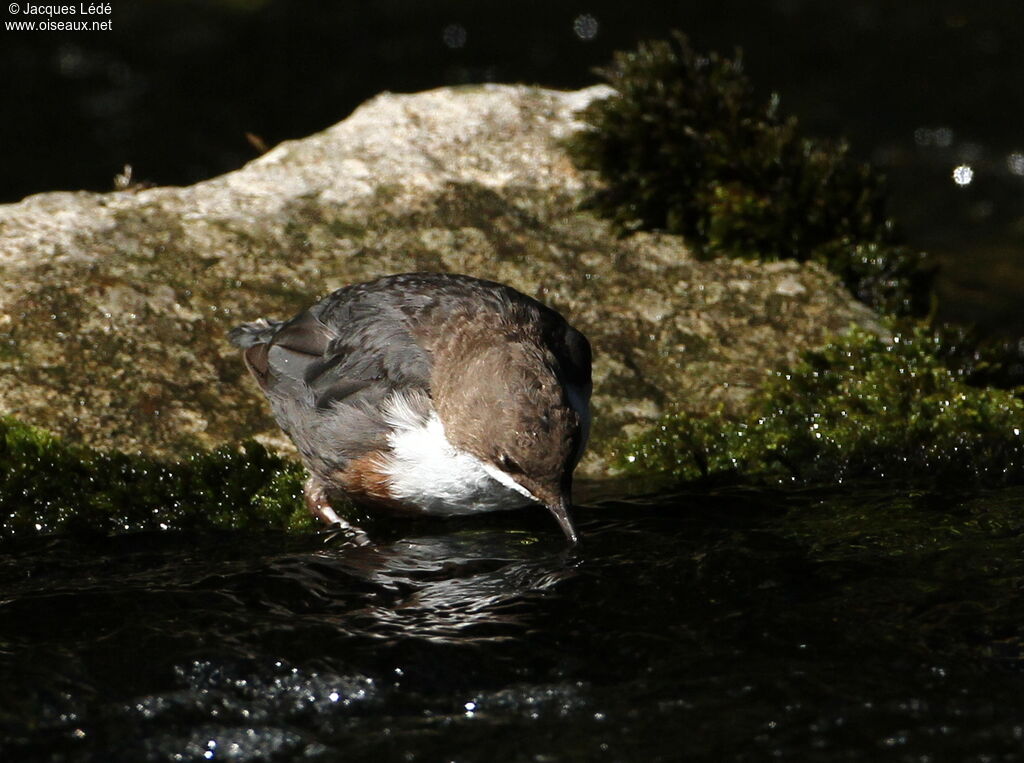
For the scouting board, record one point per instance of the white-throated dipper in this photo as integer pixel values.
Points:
(428, 393)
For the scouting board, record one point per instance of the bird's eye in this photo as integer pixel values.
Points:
(507, 464)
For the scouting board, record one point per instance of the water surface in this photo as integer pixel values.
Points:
(868, 624)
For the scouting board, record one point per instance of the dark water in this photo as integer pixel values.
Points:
(872, 624)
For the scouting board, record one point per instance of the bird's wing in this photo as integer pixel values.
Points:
(328, 370)
(359, 347)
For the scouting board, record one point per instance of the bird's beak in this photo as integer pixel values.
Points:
(560, 509)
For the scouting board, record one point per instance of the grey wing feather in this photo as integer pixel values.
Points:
(327, 370)
(258, 332)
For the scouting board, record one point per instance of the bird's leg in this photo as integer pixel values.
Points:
(320, 507)
(317, 503)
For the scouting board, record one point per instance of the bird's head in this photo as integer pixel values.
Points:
(525, 424)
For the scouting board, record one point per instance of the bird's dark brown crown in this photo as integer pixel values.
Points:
(498, 391)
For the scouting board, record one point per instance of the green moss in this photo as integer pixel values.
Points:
(982, 361)
(860, 408)
(684, 146)
(50, 485)
(895, 280)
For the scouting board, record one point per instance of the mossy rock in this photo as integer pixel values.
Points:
(118, 304)
(684, 146)
(50, 486)
(863, 407)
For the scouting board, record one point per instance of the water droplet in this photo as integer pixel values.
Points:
(585, 26)
(963, 175)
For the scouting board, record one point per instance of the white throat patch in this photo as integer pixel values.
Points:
(425, 470)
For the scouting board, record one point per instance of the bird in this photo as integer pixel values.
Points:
(428, 393)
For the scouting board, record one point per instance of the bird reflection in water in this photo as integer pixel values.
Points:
(450, 588)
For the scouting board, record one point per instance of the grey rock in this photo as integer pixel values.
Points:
(115, 305)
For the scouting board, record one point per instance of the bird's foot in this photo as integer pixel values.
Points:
(346, 530)
(320, 507)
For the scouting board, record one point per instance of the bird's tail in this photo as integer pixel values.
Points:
(251, 334)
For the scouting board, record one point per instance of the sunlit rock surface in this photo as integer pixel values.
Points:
(116, 304)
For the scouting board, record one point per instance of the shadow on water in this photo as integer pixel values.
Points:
(868, 624)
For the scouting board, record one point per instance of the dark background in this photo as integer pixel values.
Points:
(918, 87)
